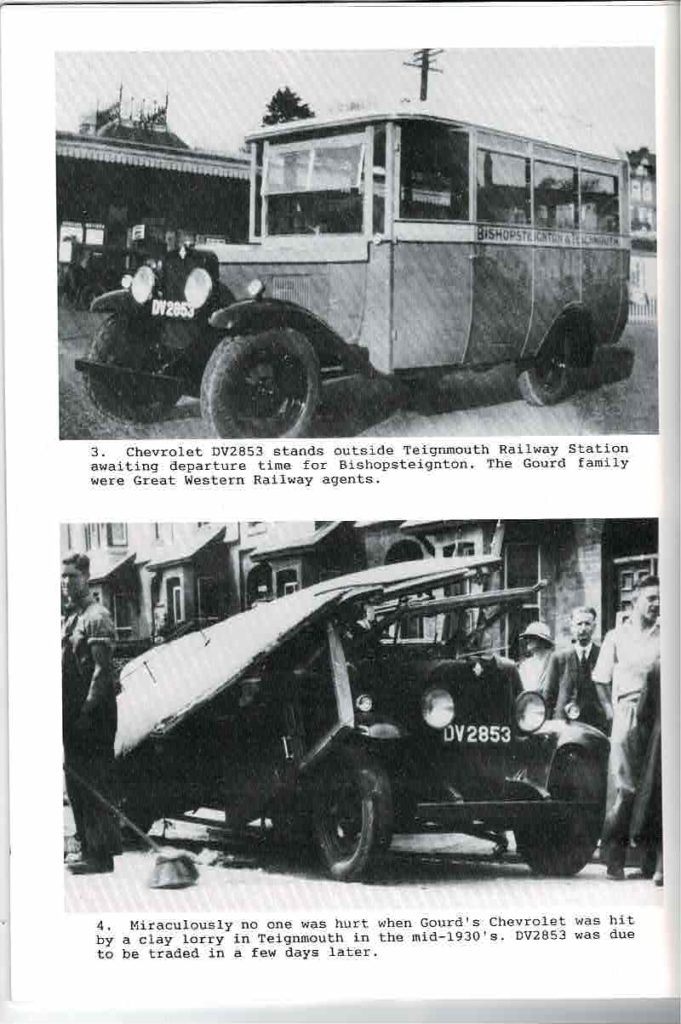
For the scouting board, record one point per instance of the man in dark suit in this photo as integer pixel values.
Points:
(569, 674)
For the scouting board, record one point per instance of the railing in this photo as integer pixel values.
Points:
(643, 312)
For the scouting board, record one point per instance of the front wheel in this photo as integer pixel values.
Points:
(353, 816)
(261, 385)
(563, 847)
(549, 378)
(124, 396)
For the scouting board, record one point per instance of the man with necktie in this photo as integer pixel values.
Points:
(569, 680)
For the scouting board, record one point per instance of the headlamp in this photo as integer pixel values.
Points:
(126, 280)
(255, 288)
(143, 284)
(572, 711)
(530, 711)
(198, 287)
(437, 708)
(364, 703)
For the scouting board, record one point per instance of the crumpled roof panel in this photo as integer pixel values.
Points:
(165, 684)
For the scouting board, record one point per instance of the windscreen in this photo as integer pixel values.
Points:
(316, 186)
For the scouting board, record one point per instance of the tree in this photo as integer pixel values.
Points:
(286, 105)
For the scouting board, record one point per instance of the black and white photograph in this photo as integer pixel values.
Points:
(335, 243)
(446, 712)
(370, 261)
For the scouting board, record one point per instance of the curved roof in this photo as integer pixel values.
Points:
(367, 117)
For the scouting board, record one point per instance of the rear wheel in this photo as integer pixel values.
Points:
(123, 396)
(353, 816)
(261, 385)
(549, 378)
(564, 847)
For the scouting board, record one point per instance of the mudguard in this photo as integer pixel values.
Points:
(113, 302)
(581, 341)
(545, 745)
(250, 316)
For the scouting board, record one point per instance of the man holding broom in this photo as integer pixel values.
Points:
(88, 719)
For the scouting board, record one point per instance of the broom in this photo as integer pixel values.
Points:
(173, 869)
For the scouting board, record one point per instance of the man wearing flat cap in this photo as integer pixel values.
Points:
(88, 718)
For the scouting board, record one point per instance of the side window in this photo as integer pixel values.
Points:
(434, 173)
(555, 196)
(599, 202)
(503, 188)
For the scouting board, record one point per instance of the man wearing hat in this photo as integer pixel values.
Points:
(538, 646)
(88, 718)
(569, 674)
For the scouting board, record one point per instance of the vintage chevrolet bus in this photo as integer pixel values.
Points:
(398, 244)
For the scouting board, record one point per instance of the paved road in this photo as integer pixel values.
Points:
(448, 872)
(614, 397)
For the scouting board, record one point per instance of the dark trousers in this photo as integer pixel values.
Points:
(616, 833)
(92, 761)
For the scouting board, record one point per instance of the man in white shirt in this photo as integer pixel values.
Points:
(629, 654)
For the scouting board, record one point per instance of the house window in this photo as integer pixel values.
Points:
(174, 602)
(522, 568)
(92, 536)
(630, 572)
(208, 598)
(647, 191)
(635, 189)
(122, 616)
(117, 535)
(433, 173)
(503, 188)
(287, 582)
(461, 549)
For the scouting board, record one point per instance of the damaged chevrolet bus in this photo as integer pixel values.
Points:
(364, 706)
(403, 245)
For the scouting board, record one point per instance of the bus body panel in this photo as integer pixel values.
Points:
(432, 303)
(502, 303)
(376, 328)
(335, 292)
(604, 277)
(557, 284)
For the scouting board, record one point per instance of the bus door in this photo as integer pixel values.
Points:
(432, 273)
(605, 265)
(503, 256)
(557, 255)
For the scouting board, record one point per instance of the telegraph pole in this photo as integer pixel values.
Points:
(425, 60)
